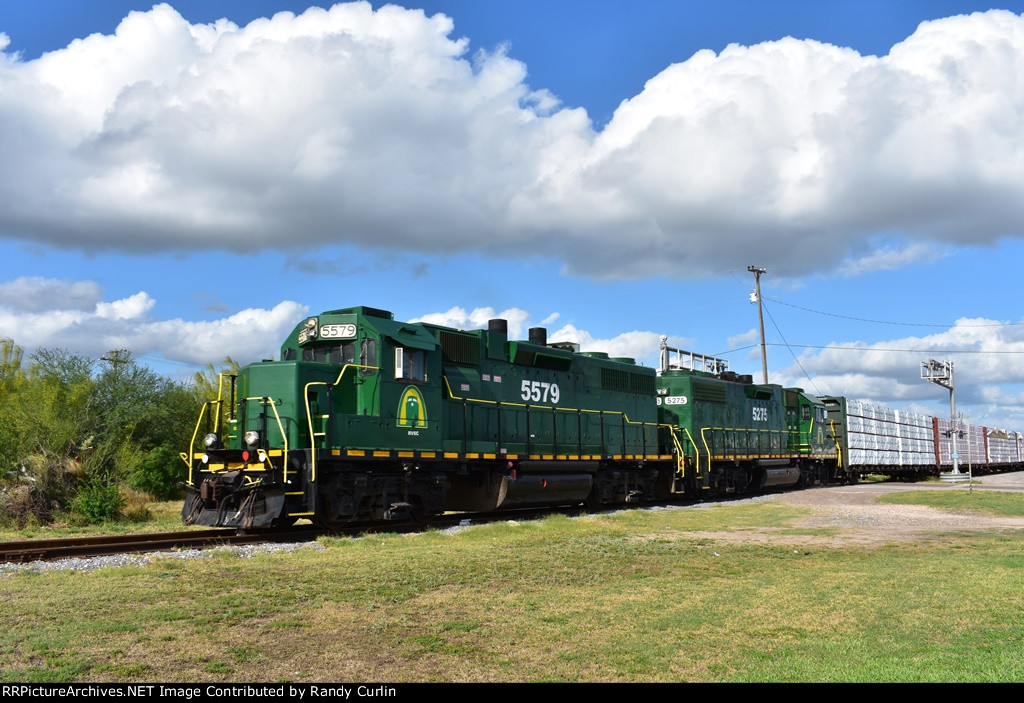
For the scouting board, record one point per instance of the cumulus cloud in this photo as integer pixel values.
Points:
(747, 338)
(72, 314)
(477, 319)
(642, 346)
(639, 345)
(987, 356)
(35, 294)
(888, 257)
(380, 129)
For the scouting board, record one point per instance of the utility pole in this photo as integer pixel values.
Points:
(116, 357)
(760, 318)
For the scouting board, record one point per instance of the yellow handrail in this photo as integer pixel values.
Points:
(309, 415)
(680, 463)
(839, 450)
(309, 420)
(188, 458)
(280, 428)
(696, 450)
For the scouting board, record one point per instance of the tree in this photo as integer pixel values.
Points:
(207, 381)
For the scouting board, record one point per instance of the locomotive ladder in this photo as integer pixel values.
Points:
(314, 434)
(681, 454)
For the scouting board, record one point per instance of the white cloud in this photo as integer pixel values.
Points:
(987, 356)
(642, 346)
(885, 258)
(639, 345)
(37, 294)
(248, 335)
(57, 316)
(378, 129)
(741, 340)
(477, 319)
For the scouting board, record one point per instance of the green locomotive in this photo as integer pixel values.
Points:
(368, 418)
(737, 436)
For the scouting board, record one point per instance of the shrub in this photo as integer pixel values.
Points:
(22, 506)
(159, 473)
(97, 501)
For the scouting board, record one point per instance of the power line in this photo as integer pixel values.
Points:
(806, 375)
(888, 322)
(872, 349)
(915, 351)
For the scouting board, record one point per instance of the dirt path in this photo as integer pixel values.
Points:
(861, 520)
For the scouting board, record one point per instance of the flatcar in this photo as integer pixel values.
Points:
(875, 439)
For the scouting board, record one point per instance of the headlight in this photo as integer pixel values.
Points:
(252, 438)
(211, 440)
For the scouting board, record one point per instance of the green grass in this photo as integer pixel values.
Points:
(987, 502)
(632, 596)
(165, 516)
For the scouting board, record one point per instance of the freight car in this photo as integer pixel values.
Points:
(903, 444)
(366, 418)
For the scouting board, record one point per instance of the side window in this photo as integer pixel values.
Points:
(805, 412)
(368, 356)
(410, 364)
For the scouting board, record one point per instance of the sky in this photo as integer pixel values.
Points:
(189, 180)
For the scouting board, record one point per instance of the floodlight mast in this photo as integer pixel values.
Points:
(941, 373)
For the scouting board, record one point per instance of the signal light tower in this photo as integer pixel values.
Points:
(941, 373)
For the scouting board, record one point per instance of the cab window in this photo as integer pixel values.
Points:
(410, 364)
(368, 356)
(332, 354)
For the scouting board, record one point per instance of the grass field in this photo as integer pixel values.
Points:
(631, 596)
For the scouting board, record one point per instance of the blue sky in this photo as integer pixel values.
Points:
(188, 187)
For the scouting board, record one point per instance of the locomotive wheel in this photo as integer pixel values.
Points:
(593, 503)
(195, 506)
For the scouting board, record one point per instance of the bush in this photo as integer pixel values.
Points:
(97, 501)
(23, 506)
(159, 473)
(37, 490)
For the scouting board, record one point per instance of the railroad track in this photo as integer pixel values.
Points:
(25, 551)
(51, 549)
